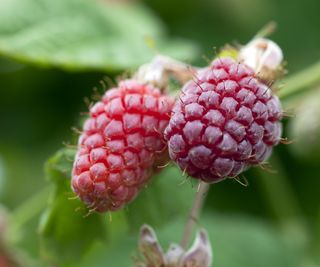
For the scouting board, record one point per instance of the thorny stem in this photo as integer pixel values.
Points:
(194, 213)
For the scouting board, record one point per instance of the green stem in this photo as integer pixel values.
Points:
(303, 80)
(194, 213)
(266, 30)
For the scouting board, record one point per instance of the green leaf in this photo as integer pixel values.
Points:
(2, 175)
(304, 129)
(248, 242)
(82, 34)
(65, 233)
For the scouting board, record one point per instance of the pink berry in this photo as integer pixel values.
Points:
(224, 121)
(121, 141)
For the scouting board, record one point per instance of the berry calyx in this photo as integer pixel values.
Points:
(121, 141)
(224, 121)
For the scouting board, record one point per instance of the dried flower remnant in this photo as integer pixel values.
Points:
(199, 255)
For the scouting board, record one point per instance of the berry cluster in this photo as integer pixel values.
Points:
(121, 141)
(225, 121)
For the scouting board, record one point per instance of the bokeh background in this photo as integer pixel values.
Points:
(52, 55)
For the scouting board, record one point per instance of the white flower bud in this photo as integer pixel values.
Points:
(153, 73)
(263, 56)
(174, 254)
(158, 71)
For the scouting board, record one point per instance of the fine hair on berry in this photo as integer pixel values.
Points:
(121, 142)
(224, 121)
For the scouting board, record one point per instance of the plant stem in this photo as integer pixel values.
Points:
(305, 79)
(194, 213)
(266, 30)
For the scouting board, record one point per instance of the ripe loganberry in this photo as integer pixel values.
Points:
(121, 141)
(225, 121)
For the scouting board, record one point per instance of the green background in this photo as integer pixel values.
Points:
(52, 55)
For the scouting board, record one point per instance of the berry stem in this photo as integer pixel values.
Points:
(266, 30)
(305, 79)
(194, 213)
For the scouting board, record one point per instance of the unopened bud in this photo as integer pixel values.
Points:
(161, 68)
(174, 254)
(264, 57)
(199, 255)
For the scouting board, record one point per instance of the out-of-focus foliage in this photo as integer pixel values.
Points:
(2, 173)
(248, 243)
(102, 37)
(64, 232)
(305, 129)
(81, 34)
(67, 230)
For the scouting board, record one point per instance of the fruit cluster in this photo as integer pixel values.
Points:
(225, 120)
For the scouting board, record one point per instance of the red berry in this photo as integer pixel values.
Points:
(224, 122)
(121, 141)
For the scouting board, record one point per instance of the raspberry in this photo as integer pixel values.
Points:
(225, 122)
(121, 141)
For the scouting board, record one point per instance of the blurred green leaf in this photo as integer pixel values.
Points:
(304, 128)
(82, 34)
(21, 167)
(300, 82)
(245, 241)
(65, 233)
(120, 253)
(236, 241)
(7, 66)
(2, 175)
(316, 247)
(165, 198)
